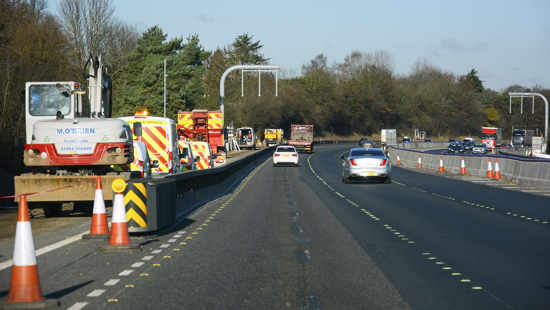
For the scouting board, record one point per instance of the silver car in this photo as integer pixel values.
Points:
(479, 148)
(366, 164)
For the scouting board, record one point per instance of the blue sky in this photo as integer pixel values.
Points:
(507, 42)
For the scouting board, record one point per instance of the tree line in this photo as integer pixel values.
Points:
(360, 95)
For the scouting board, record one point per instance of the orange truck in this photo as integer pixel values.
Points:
(206, 126)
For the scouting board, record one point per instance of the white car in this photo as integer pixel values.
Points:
(285, 154)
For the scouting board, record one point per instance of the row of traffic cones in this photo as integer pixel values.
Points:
(490, 174)
(25, 290)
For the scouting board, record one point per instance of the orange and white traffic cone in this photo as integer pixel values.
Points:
(100, 227)
(419, 163)
(489, 169)
(25, 290)
(462, 167)
(497, 171)
(120, 237)
(398, 160)
(441, 169)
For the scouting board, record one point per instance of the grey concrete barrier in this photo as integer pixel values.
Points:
(172, 197)
(523, 170)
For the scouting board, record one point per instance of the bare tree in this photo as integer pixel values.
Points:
(92, 28)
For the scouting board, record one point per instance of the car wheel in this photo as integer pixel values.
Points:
(274, 165)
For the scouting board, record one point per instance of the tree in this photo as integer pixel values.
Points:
(92, 29)
(475, 81)
(142, 81)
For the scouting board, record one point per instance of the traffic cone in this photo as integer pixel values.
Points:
(120, 238)
(497, 171)
(441, 169)
(100, 228)
(462, 167)
(25, 291)
(489, 169)
(419, 162)
(398, 160)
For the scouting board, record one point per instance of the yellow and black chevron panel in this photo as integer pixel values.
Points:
(135, 200)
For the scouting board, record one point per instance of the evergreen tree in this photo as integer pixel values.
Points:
(142, 81)
(475, 80)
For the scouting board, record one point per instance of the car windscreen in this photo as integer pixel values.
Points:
(367, 153)
(285, 149)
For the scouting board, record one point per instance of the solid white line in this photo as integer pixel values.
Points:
(47, 249)
(510, 187)
(112, 282)
(96, 293)
(532, 191)
(125, 272)
(136, 265)
(78, 306)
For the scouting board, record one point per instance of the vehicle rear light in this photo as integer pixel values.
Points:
(277, 155)
(352, 161)
(383, 163)
(170, 162)
(140, 164)
(295, 155)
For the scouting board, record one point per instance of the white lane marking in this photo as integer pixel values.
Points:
(111, 282)
(532, 191)
(136, 265)
(156, 251)
(182, 232)
(147, 257)
(96, 293)
(125, 272)
(172, 240)
(177, 236)
(164, 246)
(510, 187)
(77, 306)
(47, 249)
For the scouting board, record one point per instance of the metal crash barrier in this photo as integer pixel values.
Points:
(155, 203)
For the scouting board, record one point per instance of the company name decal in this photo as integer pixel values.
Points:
(74, 131)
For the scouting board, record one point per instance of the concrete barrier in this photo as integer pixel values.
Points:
(522, 170)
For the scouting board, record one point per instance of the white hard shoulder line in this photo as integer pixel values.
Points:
(46, 249)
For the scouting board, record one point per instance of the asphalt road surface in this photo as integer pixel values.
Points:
(298, 238)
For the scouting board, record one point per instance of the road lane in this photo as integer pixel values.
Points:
(501, 258)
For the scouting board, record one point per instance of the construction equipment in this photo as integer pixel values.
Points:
(64, 147)
(273, 136)
(203, 125)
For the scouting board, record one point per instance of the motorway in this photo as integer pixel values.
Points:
(298, 238)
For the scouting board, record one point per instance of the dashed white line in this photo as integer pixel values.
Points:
(177, 236)
(172, 240)
(126, 272)
(156, 251)
(112, 282)
(77, 306)
(147, 257)
(164, 246)
(136, 265)
(96, 293)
